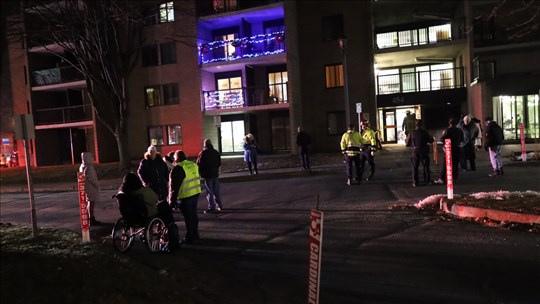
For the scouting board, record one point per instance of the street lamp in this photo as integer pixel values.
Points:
(342, 40)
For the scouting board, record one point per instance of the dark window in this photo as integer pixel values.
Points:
(332, 27)
(155, 135)
(149, 56)
(168, 52)
(170, 93)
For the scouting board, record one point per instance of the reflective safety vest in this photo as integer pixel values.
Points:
(351, 142)
(369, 137)
(191, 184)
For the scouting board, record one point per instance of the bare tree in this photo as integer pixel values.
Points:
(517, 19)
(100, 38)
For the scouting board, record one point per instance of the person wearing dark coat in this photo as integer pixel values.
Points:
(303, 140)
(418, 140)
(154, 173)
(209, 161)
(456, 137)
(493, 139)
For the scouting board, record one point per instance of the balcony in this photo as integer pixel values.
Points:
(63, 115)
(414, 37)
(270, 96)
(242, 48)
(56, 76)
(421, 81)
(226, 6)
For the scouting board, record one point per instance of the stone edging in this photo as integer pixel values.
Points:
(499, 215)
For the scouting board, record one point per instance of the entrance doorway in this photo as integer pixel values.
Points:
(391, 121)
(232, 133)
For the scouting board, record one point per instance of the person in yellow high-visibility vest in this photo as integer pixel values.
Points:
(185, 186)
(351, 142)
(369, 141)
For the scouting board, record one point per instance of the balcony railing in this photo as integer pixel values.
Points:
(414, 37)
(63, 115)
(245, 97)
(224, 6)
(56, 76)
(421, 81)
(241, 48)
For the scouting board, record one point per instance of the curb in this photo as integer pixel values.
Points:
(498, 215)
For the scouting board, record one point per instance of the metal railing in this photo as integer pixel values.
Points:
(56, 76)
(245, 97)
(63, 115)
(421, 81)
(242, 48)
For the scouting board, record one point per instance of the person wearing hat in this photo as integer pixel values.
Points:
(186, 187)
(154, 173)
(209, 162)
(418, 140)
(369, 145)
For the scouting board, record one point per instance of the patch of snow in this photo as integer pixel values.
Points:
(498, 195)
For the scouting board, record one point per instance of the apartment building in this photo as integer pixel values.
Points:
(268, 67)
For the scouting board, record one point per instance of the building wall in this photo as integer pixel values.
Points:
(315, 100)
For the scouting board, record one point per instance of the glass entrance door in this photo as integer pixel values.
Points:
(232, 133)
(389, 126)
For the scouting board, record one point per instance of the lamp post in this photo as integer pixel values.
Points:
(342, 40)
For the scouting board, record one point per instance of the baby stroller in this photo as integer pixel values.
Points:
(159, 234)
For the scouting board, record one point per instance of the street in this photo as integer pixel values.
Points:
(256, 249)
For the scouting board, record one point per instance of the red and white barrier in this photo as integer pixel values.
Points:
(83, 208)
(449, 176)
(315, 253)
(522, 137)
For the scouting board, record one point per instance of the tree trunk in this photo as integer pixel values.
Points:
(123, 154)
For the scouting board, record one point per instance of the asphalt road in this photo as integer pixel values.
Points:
(256, 250)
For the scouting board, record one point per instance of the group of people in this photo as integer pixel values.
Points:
(358, 148)
(164, 184)
(463, 137)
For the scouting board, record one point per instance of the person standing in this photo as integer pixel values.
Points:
(351, 142)
(91, 185)
(186, 187)
(369, 145)
(303, 140)
(209, 162)
(409, 122)
(418, 140)
(470, 133)
(250, 153)
(456, 137)
(493, 138)
(154, 173)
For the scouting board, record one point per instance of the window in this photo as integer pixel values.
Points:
(149, 56)
(155, 134)
(412, 37)
(334, 76)
(511, 111)
(168, 52)
(174, 135)
(166, 12)
(162, 13)
(153, 55)
(332, 27)
(277, 86)
(336, 123)
(159, 95)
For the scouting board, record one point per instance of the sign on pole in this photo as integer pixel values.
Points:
(358, 107)
(83, 208)
(449, 176)
(315, 253)
(522, 136)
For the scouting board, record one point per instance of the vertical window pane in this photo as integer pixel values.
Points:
(156, 135)
(174, 135)
(532, 128)
(166, 12)
(170, 94)
(334, 76)
(168, 53)
(152, 96)
(149, 55)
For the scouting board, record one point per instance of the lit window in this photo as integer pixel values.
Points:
(166, 12)
(155, 134)
(174, 135)
(334, 76)
(159, 95)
